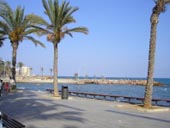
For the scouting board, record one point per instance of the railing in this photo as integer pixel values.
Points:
(113, 97)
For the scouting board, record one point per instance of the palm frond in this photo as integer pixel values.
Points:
(34, 19)
(69, 33)
(67, 18)
(31, 31)
(19, 16)
(48, 9)
(39, 30)
(1, 40)
(83, 30)
(10, 18)
(6, 14)
(5, 28)
(4, 7)
(36, 42)
(55, 12)
(1, 43)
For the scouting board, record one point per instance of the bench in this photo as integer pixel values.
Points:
(130, 99)
(157, 100)
(9, 122)
(50, 90)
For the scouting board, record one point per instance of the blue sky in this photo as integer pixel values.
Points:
(116, 46)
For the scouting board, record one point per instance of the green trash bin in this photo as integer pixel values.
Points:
(64, 92)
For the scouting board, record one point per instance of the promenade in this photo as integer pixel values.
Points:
(41, 110)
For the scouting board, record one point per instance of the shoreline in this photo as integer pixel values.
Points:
(83, 81)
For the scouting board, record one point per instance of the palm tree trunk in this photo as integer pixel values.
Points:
(14, 59)
(152, 48)
(55, 70)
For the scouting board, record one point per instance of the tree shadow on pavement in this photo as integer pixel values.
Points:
(28, 105)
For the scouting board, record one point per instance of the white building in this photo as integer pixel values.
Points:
(26, 71)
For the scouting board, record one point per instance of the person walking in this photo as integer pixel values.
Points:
(6, 87)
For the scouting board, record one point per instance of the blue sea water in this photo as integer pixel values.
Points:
(125, 90)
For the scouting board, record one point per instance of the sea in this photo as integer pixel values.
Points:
(124, 90)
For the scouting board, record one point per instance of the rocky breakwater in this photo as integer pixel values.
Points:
(120, 82)
(84, 81)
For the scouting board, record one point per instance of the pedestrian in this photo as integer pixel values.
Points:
(6, 87)
(1, 87)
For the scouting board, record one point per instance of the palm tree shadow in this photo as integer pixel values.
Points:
(28, 106)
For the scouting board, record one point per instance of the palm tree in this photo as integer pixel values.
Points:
(51, 70)
(20, 65)
(42, 71)
(76, 76)
(31, 71)
(59, 16)
(157, 10)
(17, 27)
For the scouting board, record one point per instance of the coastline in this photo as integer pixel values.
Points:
(46, 79)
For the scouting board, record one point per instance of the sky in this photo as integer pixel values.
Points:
(117, 44)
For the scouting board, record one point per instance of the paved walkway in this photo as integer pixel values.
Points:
(40, 110)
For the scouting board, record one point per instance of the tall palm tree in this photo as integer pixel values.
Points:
(76, 76)
(31, 71)
(59, 16)
(42, 71)
(157, 10)
(17, 27)
(51, 70)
